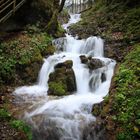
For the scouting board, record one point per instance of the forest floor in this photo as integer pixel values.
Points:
(119, 26)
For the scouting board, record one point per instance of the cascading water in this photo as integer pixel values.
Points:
(65, 118)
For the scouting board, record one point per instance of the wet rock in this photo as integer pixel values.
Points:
(96, 109)
(67, 64)
(60, 43)
(84, 59)
(103, 77)
(95, 64)
(95, 131)
(47, 129)
(62, 80)
(92, 63)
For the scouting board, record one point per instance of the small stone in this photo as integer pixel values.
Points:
(84, 59)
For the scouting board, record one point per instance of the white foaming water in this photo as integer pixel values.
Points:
(68, 116)
(93, 47)
(70, 2)
(72, 21)
(73, 45)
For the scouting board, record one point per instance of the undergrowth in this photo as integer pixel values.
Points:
(15, 124)
(22, 51)
(127, 97)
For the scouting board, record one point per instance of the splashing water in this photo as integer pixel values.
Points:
(65, 118)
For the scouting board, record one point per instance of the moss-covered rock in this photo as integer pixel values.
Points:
(67, 64)
(49, 50)
(57, 88)
(95, 64)
(62, 80)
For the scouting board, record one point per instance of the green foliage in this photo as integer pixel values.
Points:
(17, 124)
(24, 51)
(123, 136)
(31, 29)
(106, 18)
(4, 114)
(57, 88)
(60, 31)
(131, 22)
(20, 125)
(127, 96)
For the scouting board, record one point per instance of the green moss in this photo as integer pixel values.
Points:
(57, 88)
(127, 97)
(4, 114)
(60, 31)
(123, 136)
(22, 51)
(20, 125)
(63, 16)
(16, 124)
(49, 50)
(131, 22)
(105, 20)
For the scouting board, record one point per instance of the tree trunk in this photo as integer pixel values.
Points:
(62, 5)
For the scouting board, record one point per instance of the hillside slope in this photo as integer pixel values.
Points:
(118, 23)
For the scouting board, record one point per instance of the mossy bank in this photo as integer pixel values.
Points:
(21, 57)
(118, 23)
(120, 110)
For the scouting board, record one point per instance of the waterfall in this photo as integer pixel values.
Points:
(93, 46)
(65, 118)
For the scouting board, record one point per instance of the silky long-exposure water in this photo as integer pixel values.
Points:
(65, 118)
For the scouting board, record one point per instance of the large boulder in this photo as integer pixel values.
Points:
(62, 80)
(92, 63)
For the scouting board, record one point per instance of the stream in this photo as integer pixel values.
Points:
(66, 117)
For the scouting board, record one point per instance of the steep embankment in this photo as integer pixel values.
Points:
(118, 22)
(121, 109)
